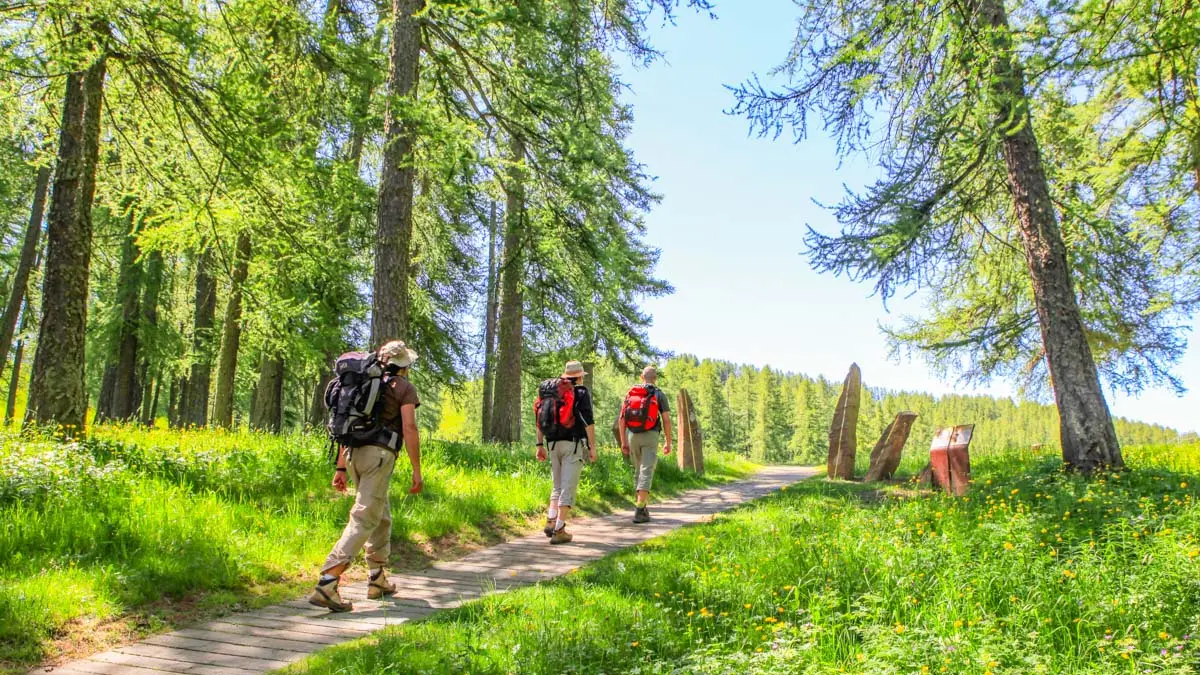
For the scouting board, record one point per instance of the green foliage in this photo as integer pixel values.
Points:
(111, 526)
(1029, 574)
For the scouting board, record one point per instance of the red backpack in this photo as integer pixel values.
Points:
(554, 408)
(641, 408)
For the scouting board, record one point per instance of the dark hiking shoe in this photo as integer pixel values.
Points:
(641, 515)
(549, 528)
(326, 595)
(561, 537)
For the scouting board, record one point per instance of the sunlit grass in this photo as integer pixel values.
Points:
(109, 526)
(1037, 571)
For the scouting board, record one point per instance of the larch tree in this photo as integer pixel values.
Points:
(939, 89)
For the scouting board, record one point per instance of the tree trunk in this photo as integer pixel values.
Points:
(25, 264)
(506, 408)
(489, 333)
(120, 396)
(56, 390)
(393, 231)
(231, 334)
(15, 381)
(266, 414)
(1089, 440)
(194, 411)
(152, 288)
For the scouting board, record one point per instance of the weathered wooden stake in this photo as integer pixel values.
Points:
(885, 458)
(684, 456)
(843, 432)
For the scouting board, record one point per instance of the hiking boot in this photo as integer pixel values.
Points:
(380, 587)
(561, 536)
(549, 528)
(641, 515)
(326, 595)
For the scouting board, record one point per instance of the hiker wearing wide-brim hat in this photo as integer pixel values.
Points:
(370, 466)
(565, 431)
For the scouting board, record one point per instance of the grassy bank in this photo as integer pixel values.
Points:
(132, 529)
(1036, 571)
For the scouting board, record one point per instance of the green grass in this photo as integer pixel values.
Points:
(150, 526)
(1036, 571)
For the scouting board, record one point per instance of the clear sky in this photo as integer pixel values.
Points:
(733, 216)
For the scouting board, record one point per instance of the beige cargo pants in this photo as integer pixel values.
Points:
(643, 450)
(370, 523)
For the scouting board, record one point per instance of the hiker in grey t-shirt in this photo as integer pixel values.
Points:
(645, 415)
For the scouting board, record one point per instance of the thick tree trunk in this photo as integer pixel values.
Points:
(393, 231)
(1089, 440)
(231, 335)
(506, 408)
(266, 413)
(19, 354)
(489, 333)
(121, 393)
(25, 264)
(194, 411)
(56, 390)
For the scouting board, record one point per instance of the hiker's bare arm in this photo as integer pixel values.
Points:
(412, 443)
(541, 445)
(621, 432)
(666, 421)
(339, 475)
(591, 434)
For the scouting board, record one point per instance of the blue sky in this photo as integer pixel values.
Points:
(733, 216)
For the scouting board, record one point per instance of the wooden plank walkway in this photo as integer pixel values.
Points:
(272, 637)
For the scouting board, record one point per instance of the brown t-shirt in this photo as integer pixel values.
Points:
(397, 393)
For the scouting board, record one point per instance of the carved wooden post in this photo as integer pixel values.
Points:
(683, 423)
(843, 432)
(949, 459)
(696, 437)
(885, 458)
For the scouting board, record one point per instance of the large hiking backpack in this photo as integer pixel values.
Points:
(641, 408)
(353, 400)
(554, 408)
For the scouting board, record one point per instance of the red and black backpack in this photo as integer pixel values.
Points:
(641, 408)
(554, 408)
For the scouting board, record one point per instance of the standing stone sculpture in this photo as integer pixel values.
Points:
(689, 445)
(885, 458)
(843, 432)
(950, 459)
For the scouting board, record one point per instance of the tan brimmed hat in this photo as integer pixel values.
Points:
(574, 369)
(396, 352)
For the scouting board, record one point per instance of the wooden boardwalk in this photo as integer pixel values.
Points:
(273, 637)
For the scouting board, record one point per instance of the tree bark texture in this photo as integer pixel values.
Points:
(885, 457)
(393, 229)
(489, 331)
(151, 290)
(231, 335)
(1088, 438)
(266, 413)
(121, 393)
(506, 407)
(25, 263)
(56, 390)
(194, 410)
(843, 432)
(10, 409)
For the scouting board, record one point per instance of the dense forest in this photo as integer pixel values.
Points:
(201, 204)
(773, 416)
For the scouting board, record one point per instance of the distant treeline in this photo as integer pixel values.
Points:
(774, 416)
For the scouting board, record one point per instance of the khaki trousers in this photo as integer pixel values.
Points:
(371, 516)
(643, 451)
(566, 466)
